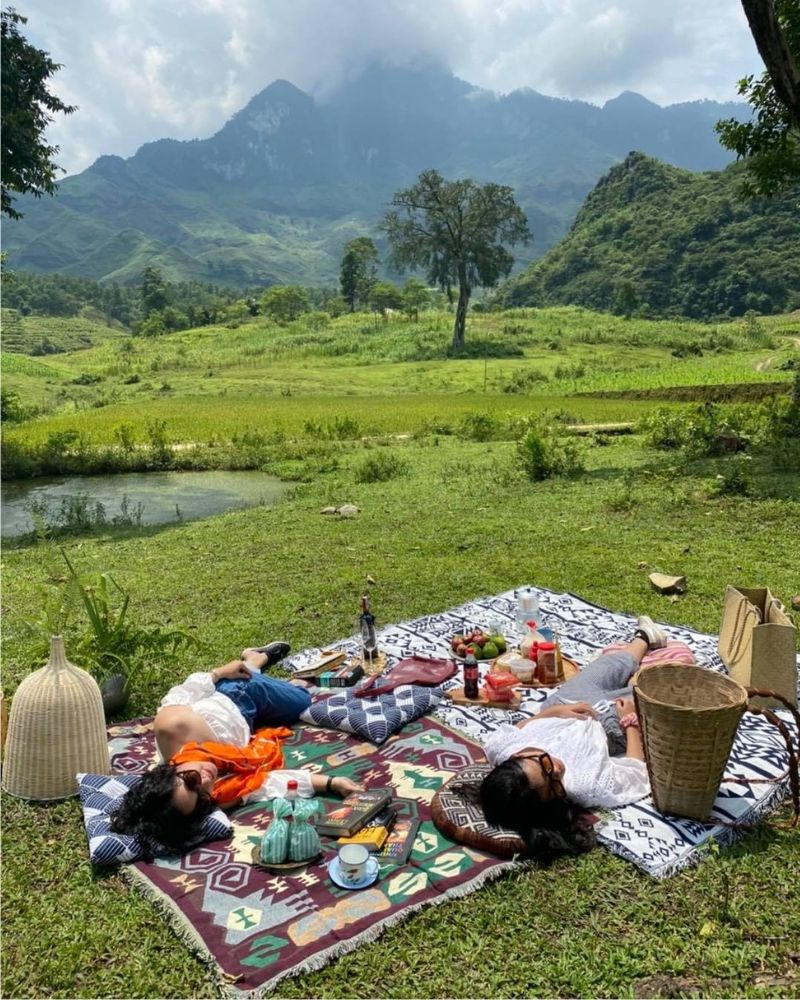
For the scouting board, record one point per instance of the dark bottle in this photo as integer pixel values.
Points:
(470, 676)
(366, 623)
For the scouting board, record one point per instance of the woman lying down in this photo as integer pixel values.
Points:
(203, 732)
(583, 750)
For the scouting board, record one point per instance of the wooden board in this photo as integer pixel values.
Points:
(570, 670)
(458, 697)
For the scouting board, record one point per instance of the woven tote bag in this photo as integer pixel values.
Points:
(757, 642)
(688, 718)
(56, 728)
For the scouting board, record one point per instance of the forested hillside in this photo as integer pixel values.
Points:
(652, 238)
(276, 193)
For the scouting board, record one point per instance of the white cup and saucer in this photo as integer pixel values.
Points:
(353, 867)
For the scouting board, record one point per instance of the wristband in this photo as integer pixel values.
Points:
(329, 786)
(629, 721)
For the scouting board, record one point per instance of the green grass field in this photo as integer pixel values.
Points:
(462, 521)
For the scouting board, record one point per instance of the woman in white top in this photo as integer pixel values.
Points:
(550, 768)
(226, 705)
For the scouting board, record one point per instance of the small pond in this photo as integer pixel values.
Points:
(165, 497)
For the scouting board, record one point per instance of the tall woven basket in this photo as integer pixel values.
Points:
(56, 728)
(688, 717)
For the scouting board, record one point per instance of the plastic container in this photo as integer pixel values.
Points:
(524, 670)
(291, 790)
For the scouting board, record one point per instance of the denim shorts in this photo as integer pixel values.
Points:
(266, 701)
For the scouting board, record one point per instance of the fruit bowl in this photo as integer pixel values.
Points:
(483, 645)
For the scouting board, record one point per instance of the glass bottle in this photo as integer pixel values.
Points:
(470, 676)
(369, 640)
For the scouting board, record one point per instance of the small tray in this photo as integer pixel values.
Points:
(285, 867)
(377, 666)
(458, 697)
(571, 668)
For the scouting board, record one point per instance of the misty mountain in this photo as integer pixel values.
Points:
(277, 192)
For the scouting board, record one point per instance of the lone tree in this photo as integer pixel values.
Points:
(358, 272)
(27, 107)
(771, 141)
(455, 230)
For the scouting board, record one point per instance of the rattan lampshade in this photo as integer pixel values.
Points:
(56, 728)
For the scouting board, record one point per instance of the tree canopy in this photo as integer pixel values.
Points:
(358, 272)
(27, 110)
(455, 231)
(770, 142)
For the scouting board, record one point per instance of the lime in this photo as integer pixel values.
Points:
(500, 642)
(490, 650)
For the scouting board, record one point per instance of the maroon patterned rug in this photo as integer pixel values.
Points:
(257, 927)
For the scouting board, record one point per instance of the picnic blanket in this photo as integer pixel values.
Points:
(257, 927)
(659, 844)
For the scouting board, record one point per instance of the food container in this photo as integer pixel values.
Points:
(547, 664)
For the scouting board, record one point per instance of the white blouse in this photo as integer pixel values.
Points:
(591, 776)
(229, 726)
(225, 720)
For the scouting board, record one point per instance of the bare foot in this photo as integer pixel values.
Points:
(254, 658)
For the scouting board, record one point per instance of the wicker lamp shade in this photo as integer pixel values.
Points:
(56, 728)
(688, 718)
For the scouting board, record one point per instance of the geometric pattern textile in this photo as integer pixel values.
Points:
(657, 843)
(100, 795)
(257, 927)
(457, 813)
(373, 719)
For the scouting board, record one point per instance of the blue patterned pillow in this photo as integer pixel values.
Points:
(373, 719)
(100, 794)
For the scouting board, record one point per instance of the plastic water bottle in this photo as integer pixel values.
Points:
(527, 609)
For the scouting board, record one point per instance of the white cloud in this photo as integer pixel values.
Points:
(148, 69)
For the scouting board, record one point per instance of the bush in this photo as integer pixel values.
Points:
(524, 379)
(735, 479)
(381, 467)
(478, 427)
(665, 428)
(544, 454)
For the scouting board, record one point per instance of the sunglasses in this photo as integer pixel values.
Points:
(545, 761)
(193, 781)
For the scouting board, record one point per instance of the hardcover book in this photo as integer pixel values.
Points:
(375, 832)
(345, 818)
(400, 841)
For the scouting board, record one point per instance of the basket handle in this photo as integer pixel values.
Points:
(794, 767)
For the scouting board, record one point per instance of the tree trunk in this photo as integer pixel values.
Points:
(461, 313)
(774, 50)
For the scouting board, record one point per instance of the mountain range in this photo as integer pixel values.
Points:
(275, 194)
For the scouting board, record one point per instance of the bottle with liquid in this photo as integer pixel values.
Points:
(292, 792)
(527, 608)
(547, 669)
(366, 625)
(530, 642)
(471, 675)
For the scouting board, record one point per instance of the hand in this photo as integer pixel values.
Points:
(625, 706)
(576, 710)
(344, 786)
(233, 671)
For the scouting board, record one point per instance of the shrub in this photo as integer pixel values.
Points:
(523, 380)
(478, 427)
(544, 454)
(665, 428)
(381, 467)
(735, 479)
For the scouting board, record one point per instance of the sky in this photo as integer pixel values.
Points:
(148, 69)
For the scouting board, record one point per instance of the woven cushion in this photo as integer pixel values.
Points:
(373, 719)
(457, 813)
(100, 794)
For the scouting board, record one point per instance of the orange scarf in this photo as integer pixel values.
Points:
(245, 767)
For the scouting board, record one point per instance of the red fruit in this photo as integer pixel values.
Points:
(461, 649)
(481, 639)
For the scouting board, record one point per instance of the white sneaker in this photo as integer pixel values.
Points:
(656, 639)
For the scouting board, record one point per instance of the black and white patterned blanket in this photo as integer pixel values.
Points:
(659, 844)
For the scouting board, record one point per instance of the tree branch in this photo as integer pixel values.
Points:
(774, 50)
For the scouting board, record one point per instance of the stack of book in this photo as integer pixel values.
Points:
(331, 671)
(369, 818)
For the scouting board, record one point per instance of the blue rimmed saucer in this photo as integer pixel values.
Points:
(370, 877)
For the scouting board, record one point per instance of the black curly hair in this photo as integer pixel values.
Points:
(148, 812)
(549, 828)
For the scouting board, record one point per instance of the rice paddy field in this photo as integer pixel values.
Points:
(373, 413)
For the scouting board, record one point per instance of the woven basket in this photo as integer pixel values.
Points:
(688, 717)
(56, 728)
